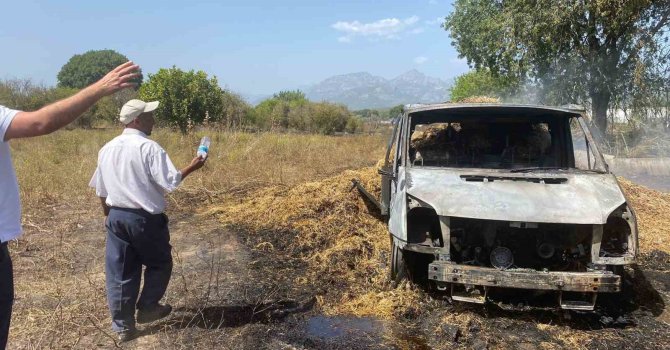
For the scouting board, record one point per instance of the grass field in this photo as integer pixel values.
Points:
(60, 300)
(269, 222)
(57, 167)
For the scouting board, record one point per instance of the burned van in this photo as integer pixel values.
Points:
(498, 196)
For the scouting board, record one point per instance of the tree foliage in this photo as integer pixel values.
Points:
(284, 110)
(190, 98)
(290, 96)
(480, 83)
(290, 110)
(395, 111)
(587, 51)
(371, 114)
(85, 69)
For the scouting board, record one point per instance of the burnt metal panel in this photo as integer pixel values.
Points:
(574, 198)
(593, 282)
(469, 108)
(398, 207)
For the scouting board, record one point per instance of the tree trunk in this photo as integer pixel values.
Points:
(599, 103)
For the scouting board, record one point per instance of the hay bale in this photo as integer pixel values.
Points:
(479, 99)
(653, 215)
(431, 135)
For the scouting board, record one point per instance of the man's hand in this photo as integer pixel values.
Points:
(196, 164)
(58, 114)
(119, 78)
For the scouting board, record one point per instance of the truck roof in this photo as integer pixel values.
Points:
(496, 108)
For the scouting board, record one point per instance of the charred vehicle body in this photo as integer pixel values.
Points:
(495, 196)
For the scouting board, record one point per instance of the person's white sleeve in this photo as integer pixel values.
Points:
(98, 183)
(6, 117)
(163, 172)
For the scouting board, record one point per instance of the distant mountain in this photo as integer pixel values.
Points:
(364, 90)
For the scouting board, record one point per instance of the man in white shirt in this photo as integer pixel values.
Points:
(17, 124)
(133, 175)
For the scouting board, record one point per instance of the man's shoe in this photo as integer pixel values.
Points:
(153, 314)
(127, 335)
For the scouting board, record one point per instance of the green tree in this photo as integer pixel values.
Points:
(354, 124)
(395, 111)
(288, 112)
(186, 98)
(371, 114)
(328, 118)
(85, 69)
(575, 51)
(285, 109)
(236, 110)
(291, 110)
(479, 83)
(290, 96)
(271, 113)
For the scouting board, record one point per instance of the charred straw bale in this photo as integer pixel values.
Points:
(430, 136)
(479, 99)
(343, 242)
(535, 142)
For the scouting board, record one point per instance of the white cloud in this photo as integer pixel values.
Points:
(434, 22)
(388, 28)
(420, 59)
(412, 20)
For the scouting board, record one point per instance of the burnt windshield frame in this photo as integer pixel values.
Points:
(600, 166)
(558, 120)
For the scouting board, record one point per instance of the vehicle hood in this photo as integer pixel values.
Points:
(580, 198)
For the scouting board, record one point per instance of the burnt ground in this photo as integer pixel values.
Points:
(236, 290)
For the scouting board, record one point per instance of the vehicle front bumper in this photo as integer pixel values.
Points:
(586, 282)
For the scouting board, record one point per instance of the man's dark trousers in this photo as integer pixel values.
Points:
(6, 293)
(135, 238)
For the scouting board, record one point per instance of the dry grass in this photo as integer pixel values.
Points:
(479, 99)
(653, 215)
(57, 168)
(329, 227)
(297, 187)
(59, 265)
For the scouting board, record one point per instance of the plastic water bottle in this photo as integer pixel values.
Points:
(203, 149)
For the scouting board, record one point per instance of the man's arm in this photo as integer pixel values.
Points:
(105, 207)
(196, 164)
(58, 114)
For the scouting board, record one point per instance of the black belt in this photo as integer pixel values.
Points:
(136, 211)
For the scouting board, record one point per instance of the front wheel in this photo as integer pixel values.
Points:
(398, 264)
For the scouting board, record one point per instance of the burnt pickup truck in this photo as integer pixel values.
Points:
(483, 197)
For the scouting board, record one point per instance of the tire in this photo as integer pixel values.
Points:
(398, 263)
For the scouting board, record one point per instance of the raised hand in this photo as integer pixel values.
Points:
(119, 78)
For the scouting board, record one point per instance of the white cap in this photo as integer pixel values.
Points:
(134, 108)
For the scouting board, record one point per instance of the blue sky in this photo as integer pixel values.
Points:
(252, 46)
